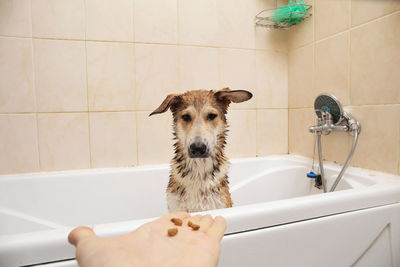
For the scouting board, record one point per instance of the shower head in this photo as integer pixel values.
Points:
(330, 104)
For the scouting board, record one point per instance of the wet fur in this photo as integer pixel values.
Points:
(198, 184)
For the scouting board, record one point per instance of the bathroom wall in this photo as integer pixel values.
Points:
(352, 50)
(78, 79)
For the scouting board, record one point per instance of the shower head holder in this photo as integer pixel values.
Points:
(329, 104)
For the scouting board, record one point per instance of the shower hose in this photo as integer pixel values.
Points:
(321, 164)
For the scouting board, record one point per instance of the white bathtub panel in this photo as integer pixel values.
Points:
(70, 263)
(34, 248)
(379, 254)
(338, 240)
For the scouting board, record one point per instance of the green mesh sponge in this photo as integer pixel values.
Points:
(291, 14)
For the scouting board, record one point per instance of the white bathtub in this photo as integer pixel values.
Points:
(278, 218)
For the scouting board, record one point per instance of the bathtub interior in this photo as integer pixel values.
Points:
(70, 199)
(66, 199)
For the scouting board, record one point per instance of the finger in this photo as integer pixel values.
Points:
(205, 222)
(218, 227)
(195, 219)
(79, 234)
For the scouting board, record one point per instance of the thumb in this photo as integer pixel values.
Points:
(79, 234)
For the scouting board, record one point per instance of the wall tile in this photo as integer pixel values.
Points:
(113, 139)
(378, 146)
(301, 68)
(236, 23)
(63, 141)
(301, 141)
(58, 19)
(18, 143)
(198, 68)
(156, 74)
(266, 38)
(272, 79)
(111, 76)
(15, 18)
(303, 33)
(60, 75)
(366, 10)
(16, 75)
(156, 21)
(242, 135)
(154, 137)
(332, 67)
(272, 132)
(327, 24)
(238, 72)
(335, 147)
(193, 27)
(109, 20)
(375, 59)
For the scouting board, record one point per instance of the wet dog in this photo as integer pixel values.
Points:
(198, 179)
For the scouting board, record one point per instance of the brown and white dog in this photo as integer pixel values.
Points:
(198, 179)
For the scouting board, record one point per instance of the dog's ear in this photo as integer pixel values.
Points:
(168, 101)
(226, 96)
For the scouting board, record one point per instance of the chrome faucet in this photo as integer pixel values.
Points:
(330, 117)
(325, 124)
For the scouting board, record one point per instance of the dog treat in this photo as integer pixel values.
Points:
(194, 226)
(177, 221)
(172, 231)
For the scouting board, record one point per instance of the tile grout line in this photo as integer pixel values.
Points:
(287, 107)
(148, 110)
(288, 132)
(256, 97)
(87, 88)
(178, 49)
(347, 30)
(314, 60)
(35, 93)
(288, 97)
(374, 19)
(135, 89)
(349, 64)
(149, 43)
(257, 154)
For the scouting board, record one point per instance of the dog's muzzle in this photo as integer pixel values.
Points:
(198, 150)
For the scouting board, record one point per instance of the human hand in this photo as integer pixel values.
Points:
(150, 245)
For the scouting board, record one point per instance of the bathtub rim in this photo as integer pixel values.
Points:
(292, 157)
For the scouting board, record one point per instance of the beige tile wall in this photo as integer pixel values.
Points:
(78, 78)
(350, 48)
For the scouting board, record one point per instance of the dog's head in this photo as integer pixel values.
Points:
(199, 117)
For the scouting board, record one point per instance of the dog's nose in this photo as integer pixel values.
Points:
(197, 150)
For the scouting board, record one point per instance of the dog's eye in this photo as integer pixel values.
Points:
(211, 116)
(186, 118)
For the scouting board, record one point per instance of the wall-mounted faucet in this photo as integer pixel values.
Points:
(331, 117)
(325, 124)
